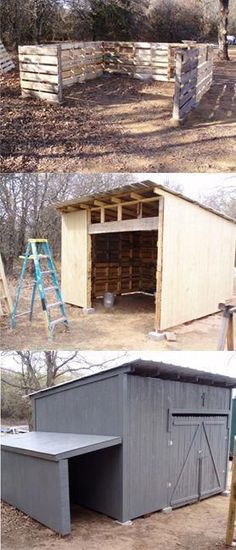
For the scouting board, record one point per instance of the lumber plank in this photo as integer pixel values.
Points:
(140, 224)
(40, 86)
(38, 59)
(52, 98)
(32, 77)
(38, 50)
(38, 68)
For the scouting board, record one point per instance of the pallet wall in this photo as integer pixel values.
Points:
(194, 74)
(6, 63)
(124, 262)
(40, 72)
(138, 59)
(81, 61)
(45, 70)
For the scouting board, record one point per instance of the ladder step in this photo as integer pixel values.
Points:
(57, 321)
(55, 304)
(24, 313)
(46, 272)
(51, 288)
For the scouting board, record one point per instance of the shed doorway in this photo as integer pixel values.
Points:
(197, 465)
(125, 263)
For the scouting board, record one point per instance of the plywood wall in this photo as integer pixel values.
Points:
(198, 261)
(75, 259)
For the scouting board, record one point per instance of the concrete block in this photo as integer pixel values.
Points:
(88, 310)
(167, 510)
(170, 336)
(158, 336)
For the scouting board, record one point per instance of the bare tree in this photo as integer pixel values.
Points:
(223, 30)
(30, 371)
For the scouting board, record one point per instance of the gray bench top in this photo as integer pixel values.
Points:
(56, 446)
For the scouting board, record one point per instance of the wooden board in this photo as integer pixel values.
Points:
(6, 63)
(75, 258)
(141, 224)
(198, 261)
(5, 297)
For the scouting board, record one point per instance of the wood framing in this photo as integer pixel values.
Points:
(5, 297)
(140, 224)
(146, 238)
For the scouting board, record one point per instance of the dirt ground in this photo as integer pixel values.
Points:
(114, 122)
(124, 327)
(200, 526)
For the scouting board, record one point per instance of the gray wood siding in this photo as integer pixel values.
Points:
(96, 481)
(94, 408)
(39, 488)
(147, 445)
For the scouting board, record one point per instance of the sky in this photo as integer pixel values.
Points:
(197, 186)
(215, 362)
(194, 185)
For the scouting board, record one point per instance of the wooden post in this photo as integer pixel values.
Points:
(60, 82)
(232, 504)
(159, 265)
(178, 71)
(230, 334)
(227, 328)
(5, 297)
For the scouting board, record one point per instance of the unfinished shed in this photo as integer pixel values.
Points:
(145, 238)
(157, 436)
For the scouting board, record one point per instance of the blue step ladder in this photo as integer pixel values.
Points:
(37, 250)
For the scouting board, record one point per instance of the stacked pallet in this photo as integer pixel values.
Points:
(124, 262)
(204, 71)
(81, 61)
(194, 73)
(6, 63)
(119, 57)
(142, 60)
(40, 72)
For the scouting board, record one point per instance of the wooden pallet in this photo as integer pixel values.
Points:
(6, 63)
(5, 297)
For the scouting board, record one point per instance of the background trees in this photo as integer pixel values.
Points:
(35, 21)
(23, 372)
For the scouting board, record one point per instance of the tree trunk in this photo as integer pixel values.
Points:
(223, 30)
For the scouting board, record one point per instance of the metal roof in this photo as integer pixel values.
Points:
(151, 369)
(56, 446)
(144, 186)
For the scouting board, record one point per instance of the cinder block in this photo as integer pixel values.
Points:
(88, 310)
(158, 336)
(171, 336)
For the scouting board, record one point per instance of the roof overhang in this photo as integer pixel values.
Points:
(150, 369)
(145, 190)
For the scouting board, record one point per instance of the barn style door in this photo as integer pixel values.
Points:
(198, 457)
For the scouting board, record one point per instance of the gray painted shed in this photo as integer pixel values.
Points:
(157, 436)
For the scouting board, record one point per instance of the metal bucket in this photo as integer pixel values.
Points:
(109, 300)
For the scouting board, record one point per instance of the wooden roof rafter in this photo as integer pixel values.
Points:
(145, 188)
